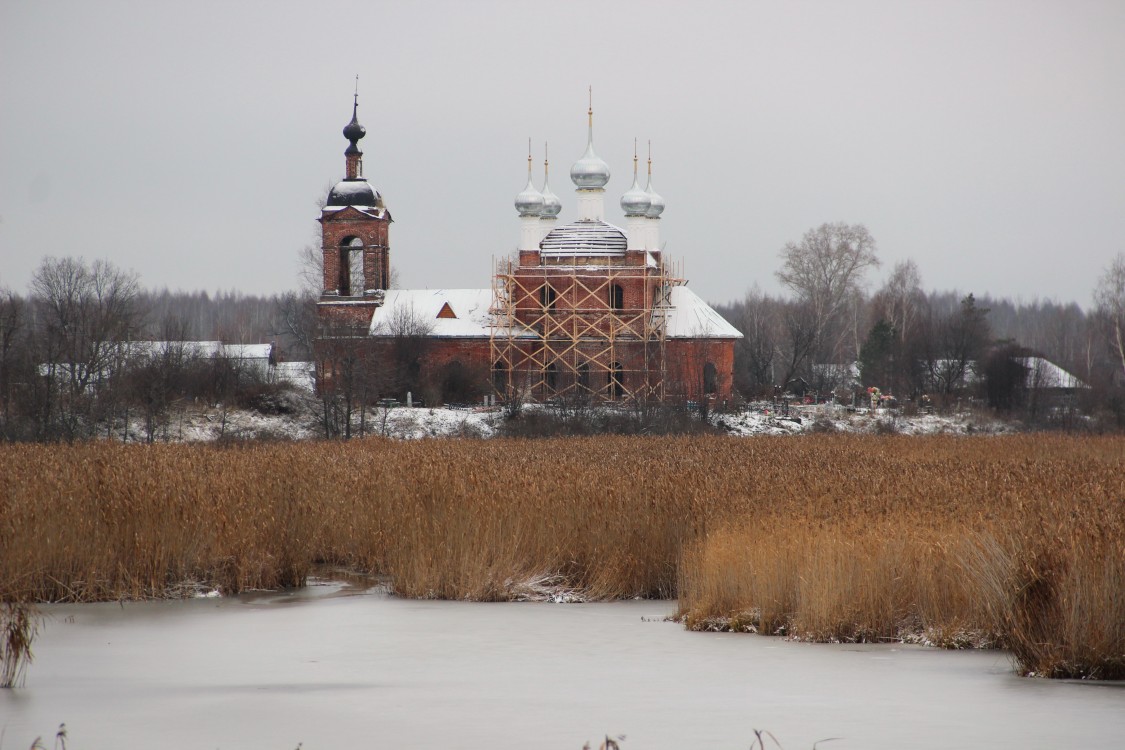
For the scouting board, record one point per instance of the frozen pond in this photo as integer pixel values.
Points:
(334, 668)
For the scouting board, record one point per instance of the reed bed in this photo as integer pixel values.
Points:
(1010, 540)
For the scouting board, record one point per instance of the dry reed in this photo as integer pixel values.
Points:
(832, 536)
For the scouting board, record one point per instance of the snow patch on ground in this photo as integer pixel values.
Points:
(203, 423)
(765, 419)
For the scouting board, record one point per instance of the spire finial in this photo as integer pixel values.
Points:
(634, 159)
(353, 131)
(529, 159)
(551, 204)
(650, 161)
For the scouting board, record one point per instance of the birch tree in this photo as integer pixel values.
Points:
(1109, 299)
(826, 270)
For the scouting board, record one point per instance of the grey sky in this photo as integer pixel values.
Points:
(190, 141)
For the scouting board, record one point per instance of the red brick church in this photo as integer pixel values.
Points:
(582, 310)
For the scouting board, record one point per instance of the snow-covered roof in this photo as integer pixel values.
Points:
(300, 374)
(199, 349)
(247, 351)
(690, 317)
(1043, 373)
(585, 238)
(422, 306)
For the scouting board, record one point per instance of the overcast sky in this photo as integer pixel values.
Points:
(191, 141)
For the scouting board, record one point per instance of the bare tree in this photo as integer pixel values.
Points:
(409, 336)
(900, 298)
(13, 322)
(798, 341)
(1109, 298)
(756, 353)
(86, 314)
(825, 270)
(959, 343)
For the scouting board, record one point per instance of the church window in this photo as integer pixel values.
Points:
(616, 297)
(617, 381)
(710, 378)
(547, 297)
(351, 267)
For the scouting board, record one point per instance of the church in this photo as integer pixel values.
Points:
(582, 310)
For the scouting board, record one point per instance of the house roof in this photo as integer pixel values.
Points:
(1043, 373)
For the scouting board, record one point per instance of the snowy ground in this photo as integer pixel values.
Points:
(203, 423)
(764, 419)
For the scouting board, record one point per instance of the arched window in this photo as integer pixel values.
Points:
(617, 381)
(552, 376)
(616, 297)
(351, 267)
(710, 378)
(584, 376)
(547, 297)
(500, 378)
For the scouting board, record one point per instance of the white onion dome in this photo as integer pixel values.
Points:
(635, 202)
(590, 172)
(552, 206)
(655, 202)
(530, 201)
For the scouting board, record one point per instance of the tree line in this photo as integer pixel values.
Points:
(913, 343)
(70, 366)
(87, 351)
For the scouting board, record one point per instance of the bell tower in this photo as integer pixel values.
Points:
(354, 240)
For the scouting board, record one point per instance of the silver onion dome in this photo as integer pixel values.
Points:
(590, 172)
(552, 206)
(655, 202)
(635, 202)
(530, 201)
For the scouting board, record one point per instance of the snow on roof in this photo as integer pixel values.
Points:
(199, 349)
(423, 306)
(690, 317)
(247, 351)
(188, 348)
(1043, 373)
(300, 374)
(585, 238)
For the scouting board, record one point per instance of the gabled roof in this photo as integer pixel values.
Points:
(689, 317)
(424, 307)
(1043, 373)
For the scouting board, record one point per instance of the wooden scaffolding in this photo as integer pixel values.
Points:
(564, 332)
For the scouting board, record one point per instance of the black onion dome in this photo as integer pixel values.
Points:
(353, 131)
(354, 193)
